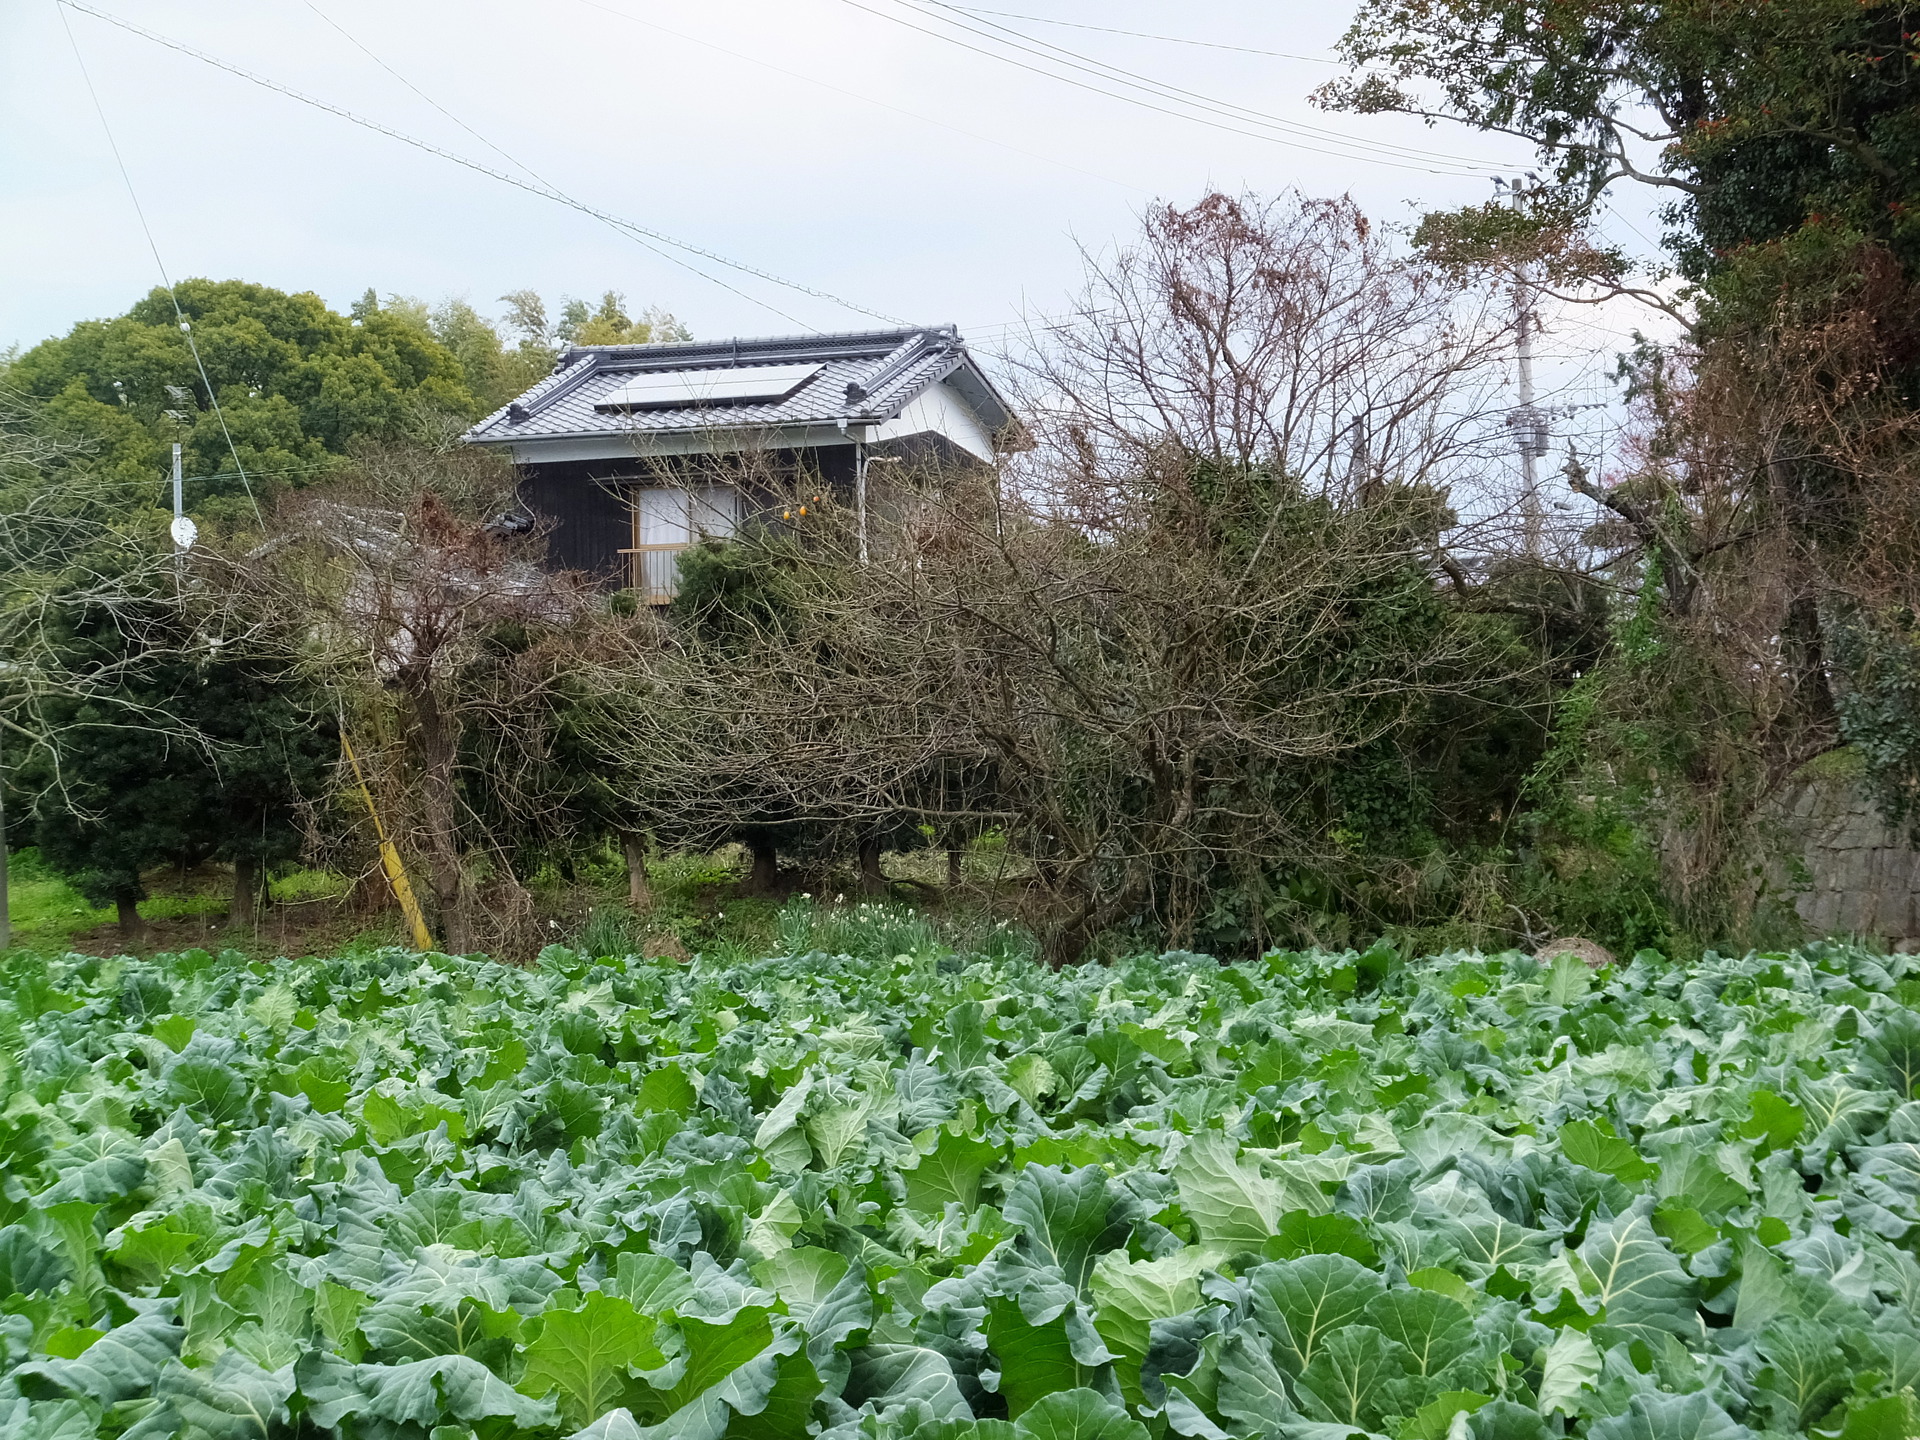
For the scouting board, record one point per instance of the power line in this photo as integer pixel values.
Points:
(856, 95)
(536, 176)
(349, 37)
(1129, 99)
(1240, 116)
(1143, 35)
(1087, 62)
(533, 188)
(1615, 214)
(277, 470)
(186, 326)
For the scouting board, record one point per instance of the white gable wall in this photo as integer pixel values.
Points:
(939, 410)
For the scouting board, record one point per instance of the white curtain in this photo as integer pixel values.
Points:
(669, 518)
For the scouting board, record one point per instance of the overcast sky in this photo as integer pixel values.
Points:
(815, 139)
(855, 147)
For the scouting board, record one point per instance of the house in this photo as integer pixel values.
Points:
(631, 453)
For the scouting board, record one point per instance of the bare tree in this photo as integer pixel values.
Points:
(68, 538)
(1287, 333)
(417, 595)
(95, 606)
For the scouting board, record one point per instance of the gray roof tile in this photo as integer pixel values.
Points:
(888, 368)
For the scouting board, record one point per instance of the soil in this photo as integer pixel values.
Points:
(306, 928)
(325, 927)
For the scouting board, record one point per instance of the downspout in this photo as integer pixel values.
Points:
(860, 494)
(859, 474)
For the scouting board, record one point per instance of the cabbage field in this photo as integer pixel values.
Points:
(934, 1197)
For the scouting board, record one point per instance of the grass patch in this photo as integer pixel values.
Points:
(305, 885)
(697, 910)
(183, 907)
(49, 912)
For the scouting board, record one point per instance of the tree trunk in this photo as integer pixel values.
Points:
(764, 877)
(1802, 635)
(245, 909)
(1803, 647)
(440, 809)
(133, 929)
(639, 892)
(371, 892)
(873, 882)
(1067, 941)
(953, 867)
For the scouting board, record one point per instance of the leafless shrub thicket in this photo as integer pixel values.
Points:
(1287, 333)
(1139, 648)
(77, 554)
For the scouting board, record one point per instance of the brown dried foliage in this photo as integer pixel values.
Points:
(1776, 483)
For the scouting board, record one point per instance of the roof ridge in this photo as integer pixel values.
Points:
(910, 352)
(739, 345)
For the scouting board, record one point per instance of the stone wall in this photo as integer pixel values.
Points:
(1856, 875)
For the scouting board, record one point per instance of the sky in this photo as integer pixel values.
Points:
(866, 150)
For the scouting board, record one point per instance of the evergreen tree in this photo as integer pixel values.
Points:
(297, 384)
(184, 751)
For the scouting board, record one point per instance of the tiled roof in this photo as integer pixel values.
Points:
(867, 378)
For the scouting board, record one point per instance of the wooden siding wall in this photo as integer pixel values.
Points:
(578, 505)
(587, 519)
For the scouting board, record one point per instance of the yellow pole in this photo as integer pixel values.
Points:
(390, 858)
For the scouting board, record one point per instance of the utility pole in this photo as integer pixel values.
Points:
(1528, 423)
(1360, 465)
(183, 530)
